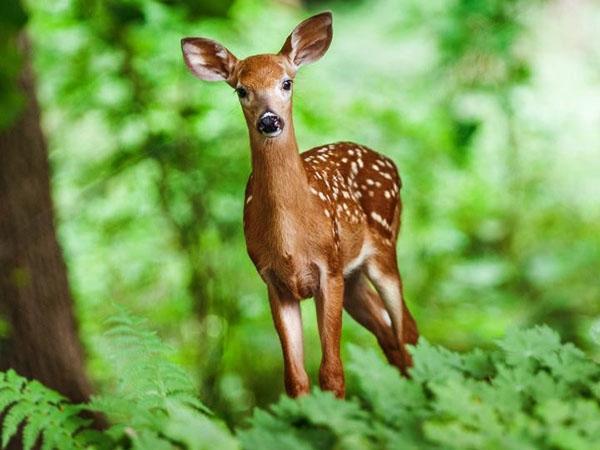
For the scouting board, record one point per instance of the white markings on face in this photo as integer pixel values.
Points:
(249, 199)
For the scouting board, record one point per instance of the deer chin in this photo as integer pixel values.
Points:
(274, 134)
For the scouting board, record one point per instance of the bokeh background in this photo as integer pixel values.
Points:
(490, 108)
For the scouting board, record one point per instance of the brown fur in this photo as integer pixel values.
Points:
(317, 224)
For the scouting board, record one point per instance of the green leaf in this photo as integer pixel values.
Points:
(523, 347)
(33, 428)
(195, 430)
(433, 363)
(15, 416)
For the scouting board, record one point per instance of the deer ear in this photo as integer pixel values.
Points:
(309, 40)
(208, 60)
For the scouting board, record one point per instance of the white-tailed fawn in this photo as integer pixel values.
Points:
(322, 223)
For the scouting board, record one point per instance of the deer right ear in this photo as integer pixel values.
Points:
(309, 40)
(208, 60)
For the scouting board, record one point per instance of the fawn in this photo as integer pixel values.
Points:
(322, 223)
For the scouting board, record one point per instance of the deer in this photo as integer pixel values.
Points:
(323, 223)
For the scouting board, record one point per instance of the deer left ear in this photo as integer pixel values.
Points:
(208, 60)
(309, 40)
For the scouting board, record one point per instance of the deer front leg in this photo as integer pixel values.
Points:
(287, 317)
(329, 303)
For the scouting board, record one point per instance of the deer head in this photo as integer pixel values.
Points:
(263, 82)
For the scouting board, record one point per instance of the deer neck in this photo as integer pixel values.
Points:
(279, 181)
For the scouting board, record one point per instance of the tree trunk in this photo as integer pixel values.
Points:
(39, 333)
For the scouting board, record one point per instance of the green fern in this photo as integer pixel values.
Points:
(153, 405)
(531, 393)
(40, 411)
(152, 394)
(146, 377)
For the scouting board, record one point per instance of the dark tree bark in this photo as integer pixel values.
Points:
(41, 339)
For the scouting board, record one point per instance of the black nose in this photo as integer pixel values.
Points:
(269, 123)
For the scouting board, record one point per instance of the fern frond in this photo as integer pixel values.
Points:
(16, 414)
(35, 425)
(41, 411)
(151, 393)
(142, 361)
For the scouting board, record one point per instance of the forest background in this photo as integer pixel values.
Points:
(491, 110)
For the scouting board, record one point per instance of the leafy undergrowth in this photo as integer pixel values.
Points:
(531, 392)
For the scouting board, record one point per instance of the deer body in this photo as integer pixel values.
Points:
(317, 224)
(321, 211)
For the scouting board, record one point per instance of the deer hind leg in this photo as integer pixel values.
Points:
(385, 277)
(367, 308)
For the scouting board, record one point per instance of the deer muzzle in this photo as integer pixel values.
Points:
(270, 124)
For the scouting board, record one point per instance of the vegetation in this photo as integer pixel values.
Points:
(530, 392)
(488, 107)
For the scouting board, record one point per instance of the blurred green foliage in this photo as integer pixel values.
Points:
(151, 403)
(486, 106)
(530, 393)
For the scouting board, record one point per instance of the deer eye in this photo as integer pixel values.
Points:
(241, 92)
(287, 85)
